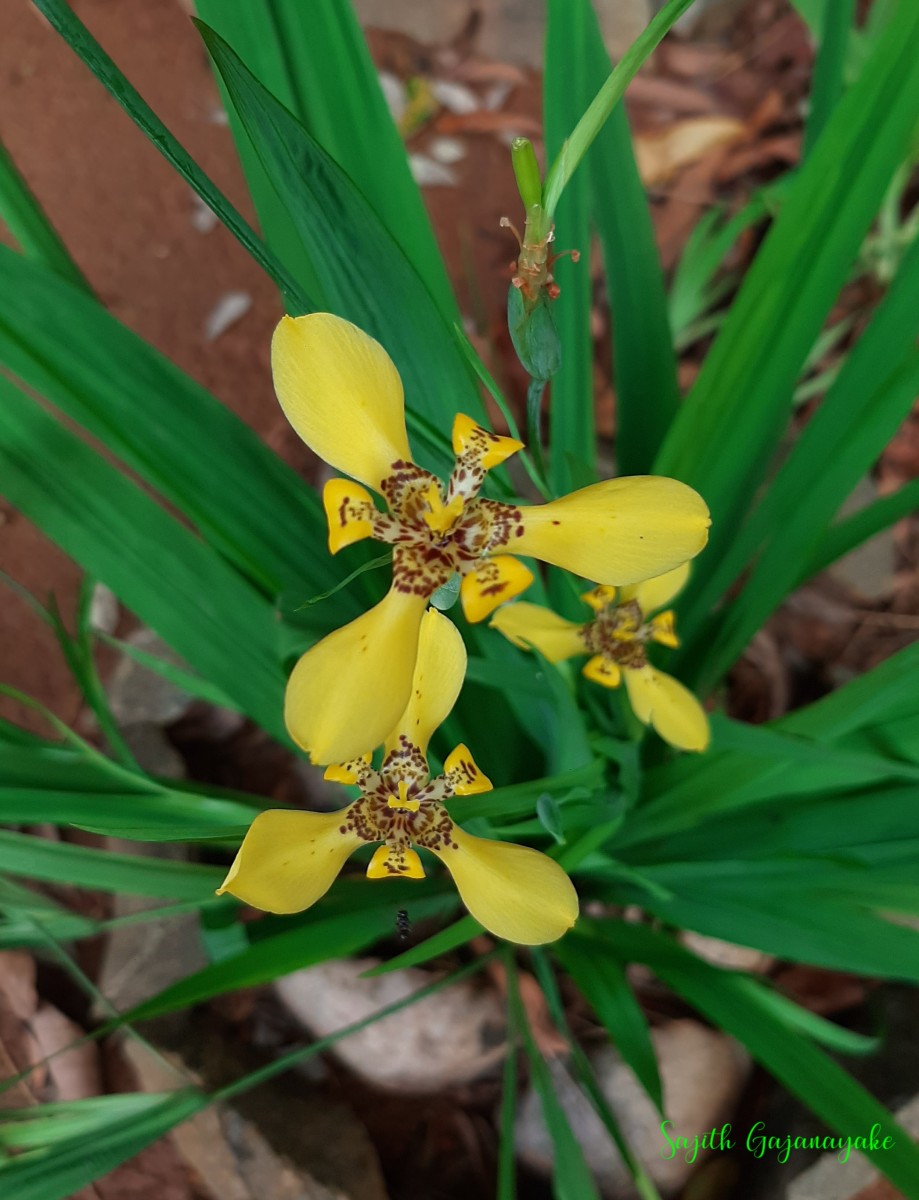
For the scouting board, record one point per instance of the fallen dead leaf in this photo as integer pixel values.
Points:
(661, 154)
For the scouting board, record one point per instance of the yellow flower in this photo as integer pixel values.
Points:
(343, 396)
(288, 860)
(616, 638)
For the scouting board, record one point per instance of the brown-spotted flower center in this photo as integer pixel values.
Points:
(617, 639)
(436, 530)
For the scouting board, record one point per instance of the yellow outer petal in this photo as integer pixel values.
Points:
(529, 625)
(342, 394)
(654, 593)
(603, 671)
(347, 692)
(619, 531)
(663, 702)
(439, 672)
(289, 860)
(518, 894)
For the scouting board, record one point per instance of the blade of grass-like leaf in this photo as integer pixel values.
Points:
(315, 61)
(23, 216)
(571, 1177)
(644, 363)
(860, 413)
(507, 1158)
(829, 69)
(571, 410)
(194, 685)
(603, 983)
(605, 101)
(76, 1161)
(314, 940)
(253, 508)
(174, 582)
(455, 935)
(587, 1078)
(360, 265)
(737, 410)
(77, 36)
(724, 999)
(80, 866)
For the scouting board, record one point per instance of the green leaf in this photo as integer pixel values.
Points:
(739, 407)
(23, 216)
(77, 36)
(849, 533)
(829, 69)
(242, 498)
(605, 101)
(644, 363)
(77, 1160)
(315, 61)
(313, 939)
(79, 866)
(604, 985)
(174, 582)
(360, 265)
(451, 938)
(571, 411)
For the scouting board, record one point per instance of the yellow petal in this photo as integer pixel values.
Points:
(465, 777)
(440, 668)
(342, 394)
(395, 862)
(653, 594)
(619, 531)
(599, 597)
(348, 772)
(603, 671)
(289, 860)
(663, 702)
(349, 512)
(663, 630)
(529, 625)
(492, 582)
(516, 893)
(348, 691)
(490, 448)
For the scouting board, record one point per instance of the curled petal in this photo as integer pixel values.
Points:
(486, 448)
(663, 629)
(529, 625)
(349, 511)
(603, 670)
(342, 394)
(663, 702)
(619, 531)
(440, 668)
(492, 582)
(347, 692)
(289, 860)
(599, 597)
(395, 862)
(518, 894)
(463, 774)
(653, 594)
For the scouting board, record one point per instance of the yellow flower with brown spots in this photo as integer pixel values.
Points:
(617, 640)
(343, 396)
(289, 860)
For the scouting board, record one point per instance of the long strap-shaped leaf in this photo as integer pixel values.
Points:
(175, 582)
(732, 420)
(252, 507)
(365, 273)
(80, 40)
(314, 59)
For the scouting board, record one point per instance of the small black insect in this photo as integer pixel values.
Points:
(403, 925)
